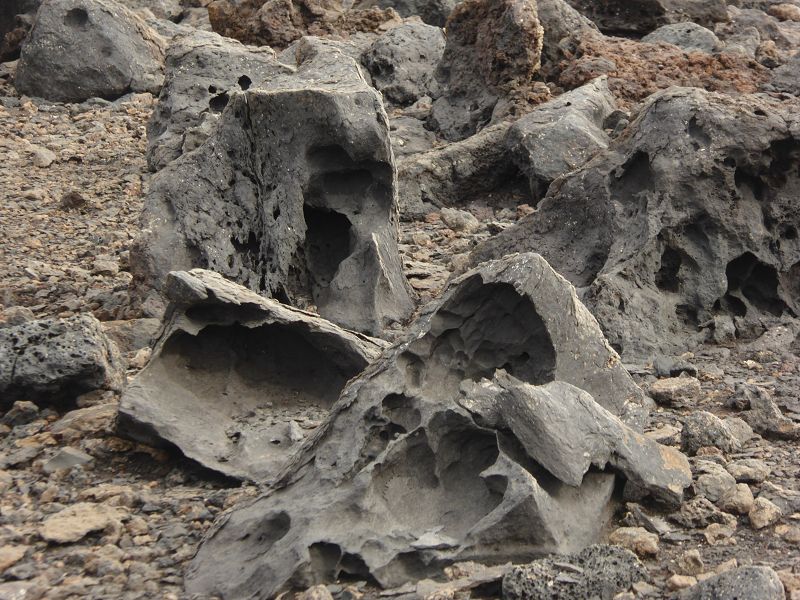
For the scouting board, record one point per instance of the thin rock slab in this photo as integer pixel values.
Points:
(293, 196)
(53, 360)
(401, 480)
(237, 381)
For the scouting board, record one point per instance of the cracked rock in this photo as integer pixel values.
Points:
(57, 359)
(401, 429)
(293, 196)
(79, 49)
(254, 376)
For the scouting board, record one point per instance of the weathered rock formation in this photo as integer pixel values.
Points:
(237, 381)
(80, 49)
(643, 16)
(51, 360)
(689, 216)
(432, 12)
(293, 195)
(483, 410)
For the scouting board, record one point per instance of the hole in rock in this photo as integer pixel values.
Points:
(667, 276)
(788, 232)
(750, 187)
(219, 102)
(327, 244)
(697, 133)
(245, 82)
(485, 327)
(756, 281)
(77, 17)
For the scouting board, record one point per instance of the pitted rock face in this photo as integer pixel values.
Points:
(643, 16)
(454, 446)
(690, 215)
(81, 49)
(247, 378)
(293, 196)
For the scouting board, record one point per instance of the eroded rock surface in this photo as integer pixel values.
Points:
(80, 49)
(293, 195)
(253, 375)
(432, 12)
(493, 490)
(643, 16)
(687, 217)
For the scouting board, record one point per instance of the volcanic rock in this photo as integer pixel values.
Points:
(401, 429)
(293, 195)
(643, 16)
(254, 376)
(661, 249)
(687, 36)
(57, 359)
(80, 49)
(432, 12)
(744, 582)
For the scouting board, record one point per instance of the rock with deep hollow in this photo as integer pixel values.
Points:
(80, 49)
(432, 12)
(50, 360)
(493, 52)
(237, 381)
(402, 62)
(203, 69)
(293, 195)
(643, 16)
(401, 459)
(691, 214)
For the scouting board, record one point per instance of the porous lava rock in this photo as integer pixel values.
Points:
(432, 12)
(643, 16)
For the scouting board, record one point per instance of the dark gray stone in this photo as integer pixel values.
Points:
(643, 16)
(701, 429)
(79, 49)
(294, 196)
(786, 78)
(254, 376)
(561, 135)
(659, 230)
(687, 36)
(400, 432)
(745, 582)
(765, 417)
(16, 20)
(403, 60)
(202, 71)
(599, 572)
(21, 412)
(49, 360)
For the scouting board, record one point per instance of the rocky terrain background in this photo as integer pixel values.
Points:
(272, 326)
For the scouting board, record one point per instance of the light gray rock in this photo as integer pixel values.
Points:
(786, 78)
(203, 70)
(562, 24)
(561, 135)
(597, 572)
(66, 458)
(399, 432)
(749, 470)
(294, 196)
(712, 480)
(253, 375)
(57, 359)
(79, 49)
(687, 36)
(403, 60)
(432, 12)
(744, 582)
(765, 417)
(647, 227)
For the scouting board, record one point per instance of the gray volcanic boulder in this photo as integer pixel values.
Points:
(432, 12)
(786, 78)
(744, 582)
(253, 375)
(689, 215)
(203, 69)
(293, 196)
(403, 60)
(493, 51)
(561, 135)
(643, 16)
(688, 36)
(420, 453)
(49, 360)
(80, 49)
